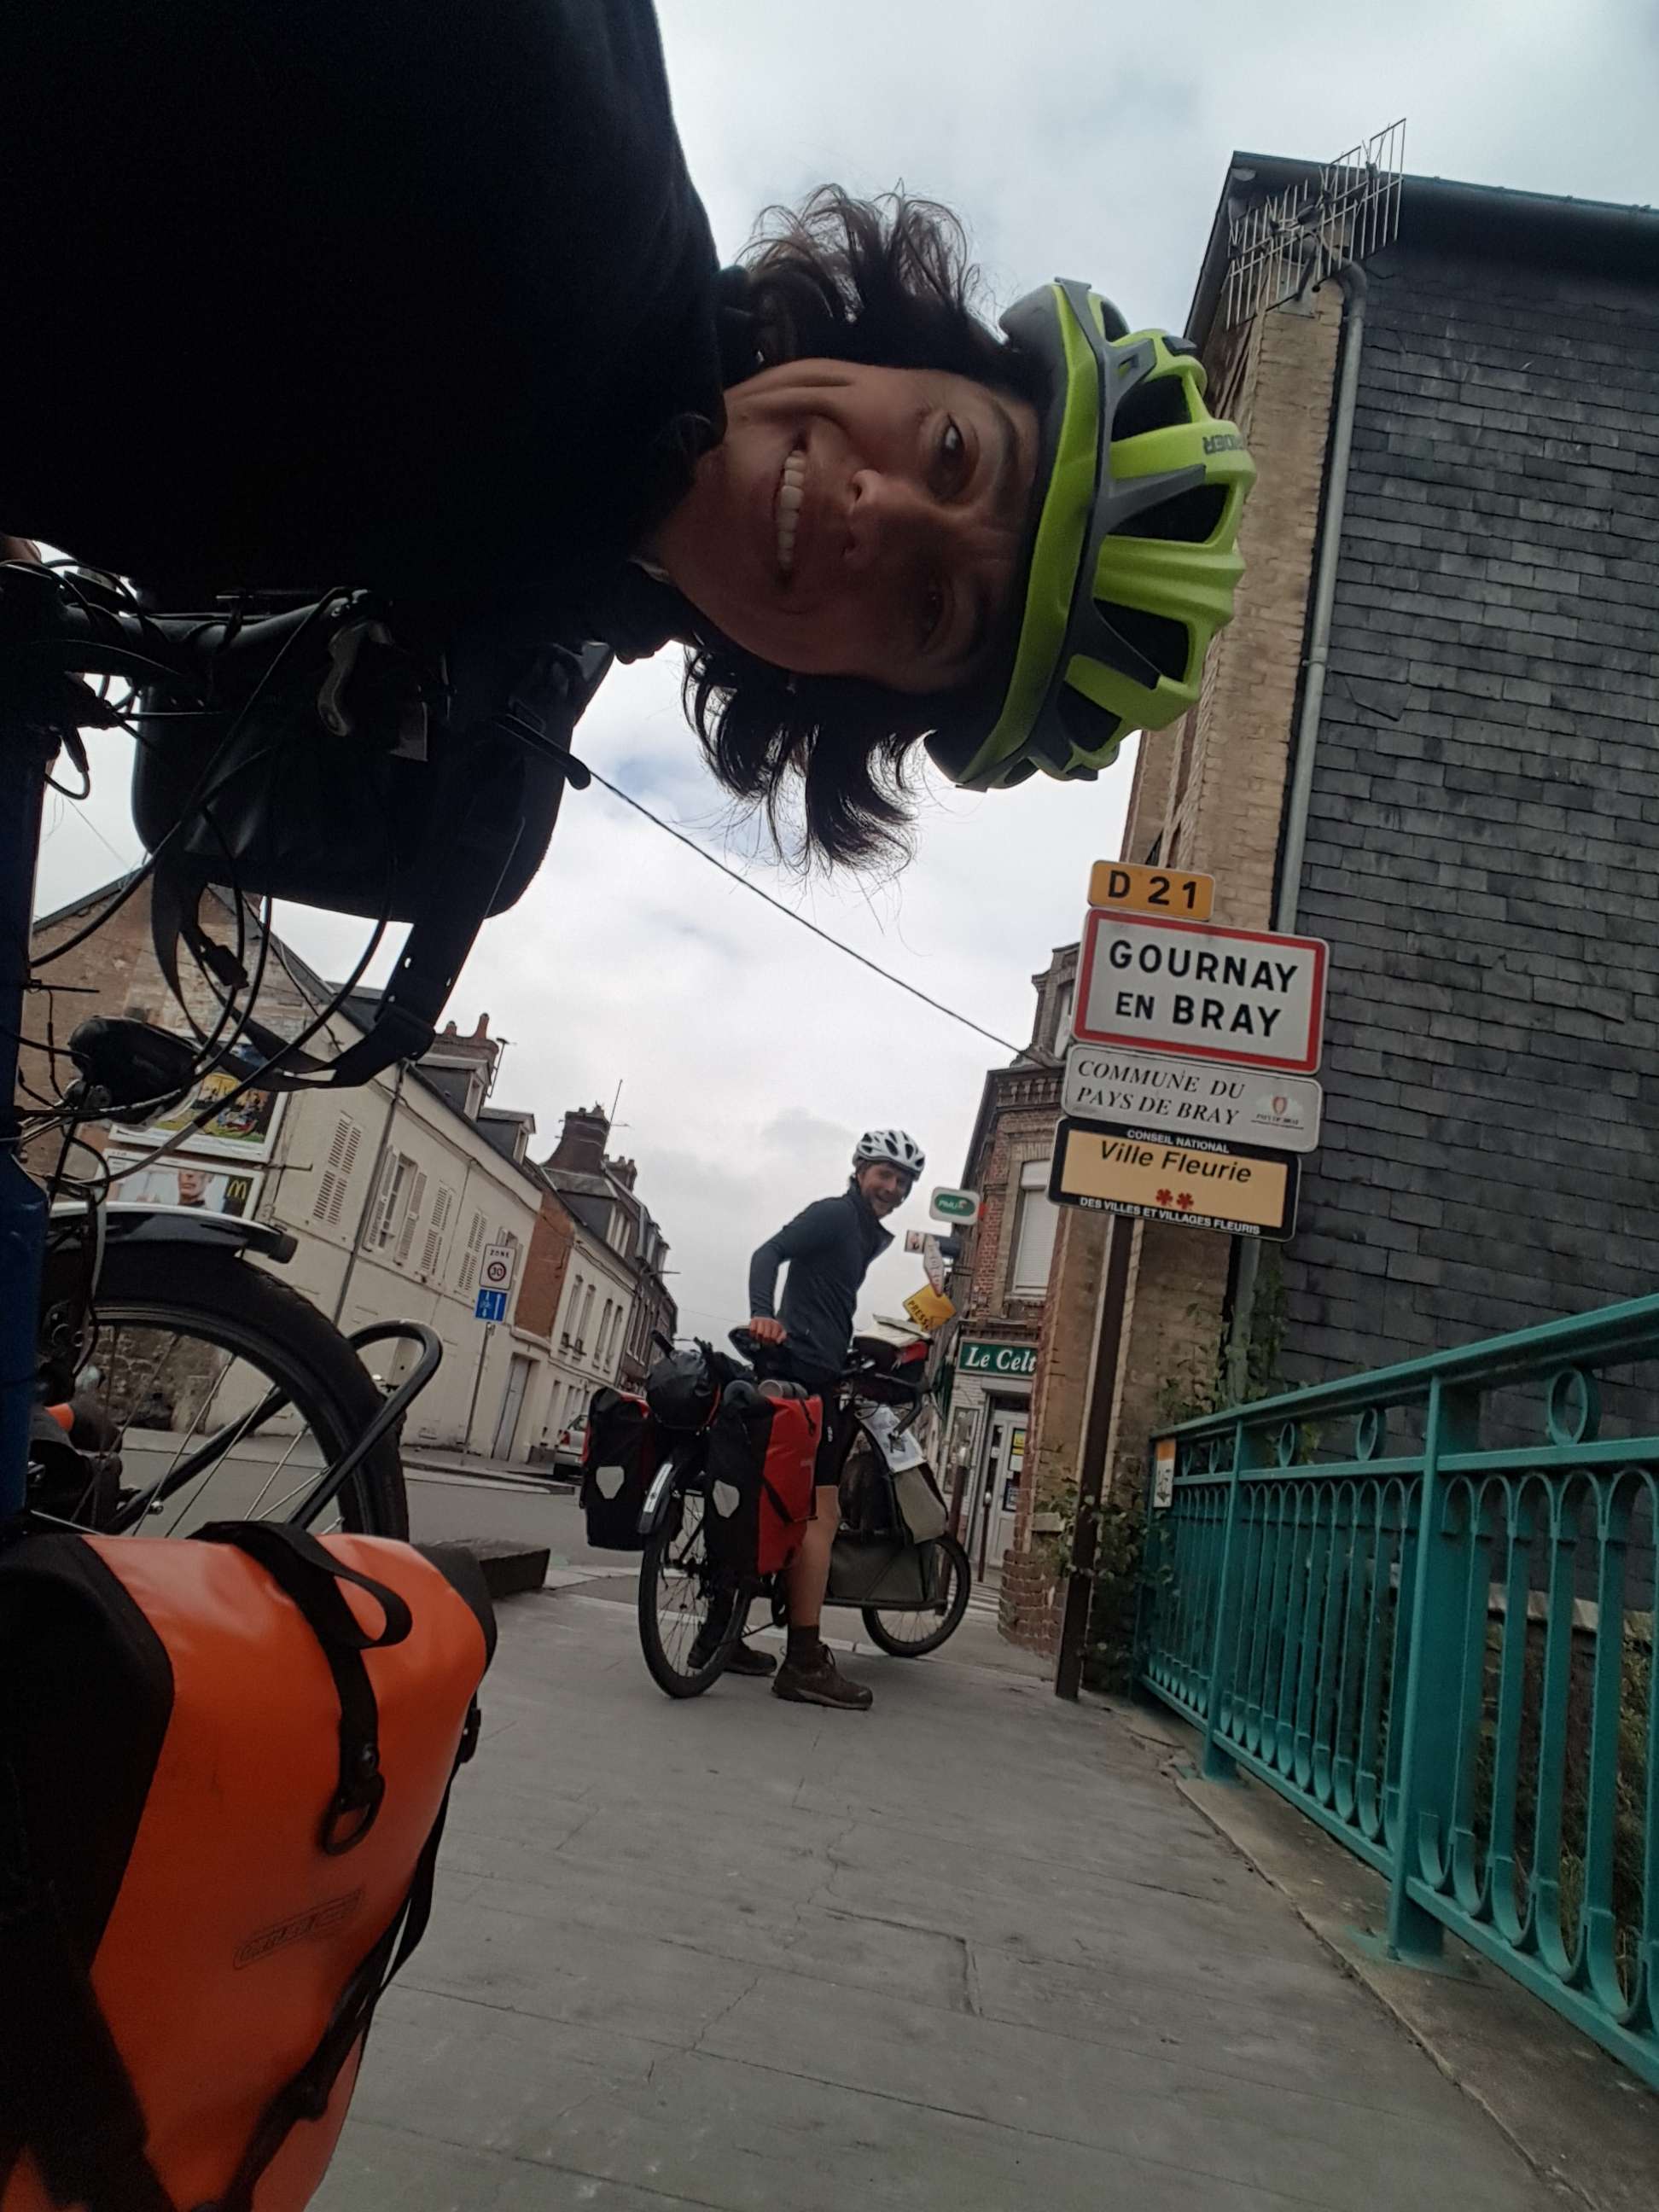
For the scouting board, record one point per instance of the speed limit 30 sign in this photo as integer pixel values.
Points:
(495, 1273)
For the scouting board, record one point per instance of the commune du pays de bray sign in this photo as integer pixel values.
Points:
(1105, 1083)
(1240, 996)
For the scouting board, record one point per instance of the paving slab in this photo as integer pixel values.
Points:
(972, 1950)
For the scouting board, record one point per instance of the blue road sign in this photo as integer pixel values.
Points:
(491, 1306)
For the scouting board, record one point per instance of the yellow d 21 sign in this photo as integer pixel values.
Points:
(928, 1309)
(1190, 1183)
(1151, 891)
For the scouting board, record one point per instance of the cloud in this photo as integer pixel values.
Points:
(1075, 138)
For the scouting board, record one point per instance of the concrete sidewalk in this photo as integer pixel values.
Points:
(971, 1950)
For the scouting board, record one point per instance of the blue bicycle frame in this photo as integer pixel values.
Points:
(23, 764)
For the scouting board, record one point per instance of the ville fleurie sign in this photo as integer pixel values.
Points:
(1240, 996)
(1191, 1097)
(1190, 1183)
(1015, 1360)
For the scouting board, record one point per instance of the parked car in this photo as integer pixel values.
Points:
(572, 1444)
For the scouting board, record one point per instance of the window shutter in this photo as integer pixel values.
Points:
(412, 1219)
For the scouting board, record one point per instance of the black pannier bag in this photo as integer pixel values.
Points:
(622, 1453)
(763, 1454)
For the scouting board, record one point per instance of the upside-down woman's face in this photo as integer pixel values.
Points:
(859, 521)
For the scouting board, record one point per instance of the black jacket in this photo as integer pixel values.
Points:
(829, 1248)
(403, 293)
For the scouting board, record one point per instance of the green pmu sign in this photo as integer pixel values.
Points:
(948, 1205)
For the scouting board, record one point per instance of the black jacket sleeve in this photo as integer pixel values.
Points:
(812, 1229)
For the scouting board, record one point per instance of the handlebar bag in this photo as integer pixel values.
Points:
(224, 1767)
(763, 1454)
(621, 1452)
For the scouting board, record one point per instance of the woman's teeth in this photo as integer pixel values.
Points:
(792, 486)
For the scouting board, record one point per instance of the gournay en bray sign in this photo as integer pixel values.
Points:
(1105, 1084)
(1240, 996)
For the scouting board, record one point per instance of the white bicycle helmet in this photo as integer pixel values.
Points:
(893, 1147)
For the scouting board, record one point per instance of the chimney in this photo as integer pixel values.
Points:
(624, 1171)
(482, 1031)
(581, 1141)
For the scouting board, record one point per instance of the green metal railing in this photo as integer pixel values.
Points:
(1442, 1650)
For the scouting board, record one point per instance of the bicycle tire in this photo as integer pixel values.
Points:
(227, 1302)
(673, 1681)
(955, 1612)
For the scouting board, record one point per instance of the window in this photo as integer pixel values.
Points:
(587, 1315)
(411, 1220)
(432, 1251)
(397, 1182)
(1063, 1002)
(467, 1274)
(330, 1200)
(1035, 1219)
(572, 1311)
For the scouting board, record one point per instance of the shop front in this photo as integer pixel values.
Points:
(985, 1453)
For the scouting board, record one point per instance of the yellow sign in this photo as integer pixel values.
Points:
(1163, 1472)
(1151, 891)
(928, 1309)
(1192, 1182)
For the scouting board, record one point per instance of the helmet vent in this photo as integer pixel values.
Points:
(1087, 725)
(1157, 403)
(1164, 643)
(1191, 517)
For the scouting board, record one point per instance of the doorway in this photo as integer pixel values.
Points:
(999, 1488)
(518, 1381)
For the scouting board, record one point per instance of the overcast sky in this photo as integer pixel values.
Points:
(1078, 138)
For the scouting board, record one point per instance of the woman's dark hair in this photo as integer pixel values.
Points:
(887, 281)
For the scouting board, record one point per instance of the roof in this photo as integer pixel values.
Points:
(1599, 236)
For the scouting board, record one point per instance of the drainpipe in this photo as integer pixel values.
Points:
(1288, 898)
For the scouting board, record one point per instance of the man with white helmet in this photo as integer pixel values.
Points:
(828, 1249)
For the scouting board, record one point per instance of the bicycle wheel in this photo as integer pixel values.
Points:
(222, 1395)
(905, 1635)
(683, 1601)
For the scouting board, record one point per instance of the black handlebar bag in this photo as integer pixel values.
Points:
(224, 1766)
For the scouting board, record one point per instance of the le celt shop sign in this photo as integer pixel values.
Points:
(1015, 1361)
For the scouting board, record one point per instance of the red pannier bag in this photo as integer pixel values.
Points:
(762, 1458)
(621, 1453)
(224, 1766)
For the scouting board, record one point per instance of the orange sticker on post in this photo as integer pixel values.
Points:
(1116, 884)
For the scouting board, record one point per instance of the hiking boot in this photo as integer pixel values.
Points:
(820, 1683)
(745, 1659)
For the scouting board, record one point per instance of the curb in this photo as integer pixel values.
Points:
(509, 1570)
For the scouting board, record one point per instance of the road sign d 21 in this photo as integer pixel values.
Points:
(491, 1306)
(1190, 1183)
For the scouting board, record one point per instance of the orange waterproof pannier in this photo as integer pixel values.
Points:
(223, 1769)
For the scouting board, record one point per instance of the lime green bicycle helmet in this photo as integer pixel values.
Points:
(1132, 560)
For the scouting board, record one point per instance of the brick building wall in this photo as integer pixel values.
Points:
(541, 1280)
(1207, 794)
(1485, 819)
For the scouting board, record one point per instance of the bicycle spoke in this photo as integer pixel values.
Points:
(195, 1495)
(265, 1492)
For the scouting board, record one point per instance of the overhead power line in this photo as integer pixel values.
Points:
(1019, 1051)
